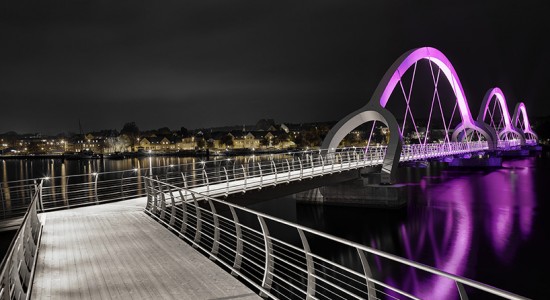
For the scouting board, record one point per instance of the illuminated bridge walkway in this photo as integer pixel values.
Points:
(306, 165)
(146, 238)
(115, 251)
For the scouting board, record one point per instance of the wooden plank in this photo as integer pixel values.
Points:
(115, 251)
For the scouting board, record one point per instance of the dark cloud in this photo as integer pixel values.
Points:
(209, 63)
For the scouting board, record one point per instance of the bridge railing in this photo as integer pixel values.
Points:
(284, 260)
(508, 144)
(427, 151)
(232, 178)
(16, 197)
(18, 266)
(254, 171)
(98, 187)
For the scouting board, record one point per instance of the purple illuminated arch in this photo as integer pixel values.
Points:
(523, 123)
(501, 101)
(442, 62)
(375, 109)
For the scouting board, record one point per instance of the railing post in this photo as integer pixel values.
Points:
(461, 291)
(371, 289)
(173, 208)
(184, 218)
(268, 271)
(38, 190)
(198, 229)
(301, 168)
(371, 156)
(310, 158)
(122, 185)
(261, 175)
(96, 175)
(226, 182)
(216, 241)
(239, 242)
(288, 166)
(310, 266)
(244, 173)
(41, 194)
(352, 156)
(156, 195)
(275, 170)
(205, 179)
(3, 200)
(148, 193)
(184, 180)
(312, 165)
(162, 201)
(322, 164)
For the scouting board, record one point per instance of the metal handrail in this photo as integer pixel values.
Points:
(178, 208)
(507, 144)
(18, 266)
(94, 188)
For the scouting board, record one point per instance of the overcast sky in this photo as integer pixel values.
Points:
(213, 63)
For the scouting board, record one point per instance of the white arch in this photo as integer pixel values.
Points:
(520, 109)
(375, 108)
(501, 101)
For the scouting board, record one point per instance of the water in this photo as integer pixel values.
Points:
(19, 169)
(489, 226)
(485, 225)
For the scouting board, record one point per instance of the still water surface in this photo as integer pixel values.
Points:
(489, 226)
(486, 225)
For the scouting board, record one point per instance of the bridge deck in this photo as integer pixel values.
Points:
(115, 251)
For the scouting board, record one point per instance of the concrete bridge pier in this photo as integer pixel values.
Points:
(481, 159)
(523, 151)
(366, 190)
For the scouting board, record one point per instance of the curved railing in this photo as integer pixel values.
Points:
(220, 176)
(286, 263)
(18, 266)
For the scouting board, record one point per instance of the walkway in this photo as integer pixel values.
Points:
(115, 251)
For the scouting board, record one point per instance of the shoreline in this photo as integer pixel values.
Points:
(187, 153)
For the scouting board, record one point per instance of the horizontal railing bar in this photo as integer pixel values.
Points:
(373, 251)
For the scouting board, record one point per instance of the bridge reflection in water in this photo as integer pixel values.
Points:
(476, 225)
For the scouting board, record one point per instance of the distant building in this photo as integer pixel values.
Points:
(89, 142)
(186, 143)
(159, 144)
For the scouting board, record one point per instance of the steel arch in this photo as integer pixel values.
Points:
(375, 109)
(508, 124)
(520, 109)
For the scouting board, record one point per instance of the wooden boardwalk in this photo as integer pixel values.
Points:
(115, 251)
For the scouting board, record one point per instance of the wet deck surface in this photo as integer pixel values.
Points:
(115, 251)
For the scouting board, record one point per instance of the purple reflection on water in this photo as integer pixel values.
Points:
(441, 233)
(524, 194)
(510, 203)
(499, 197)
(454, 200)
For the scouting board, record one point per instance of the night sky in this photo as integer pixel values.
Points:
(214, 63)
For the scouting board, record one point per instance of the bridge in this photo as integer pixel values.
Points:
(187, 201)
